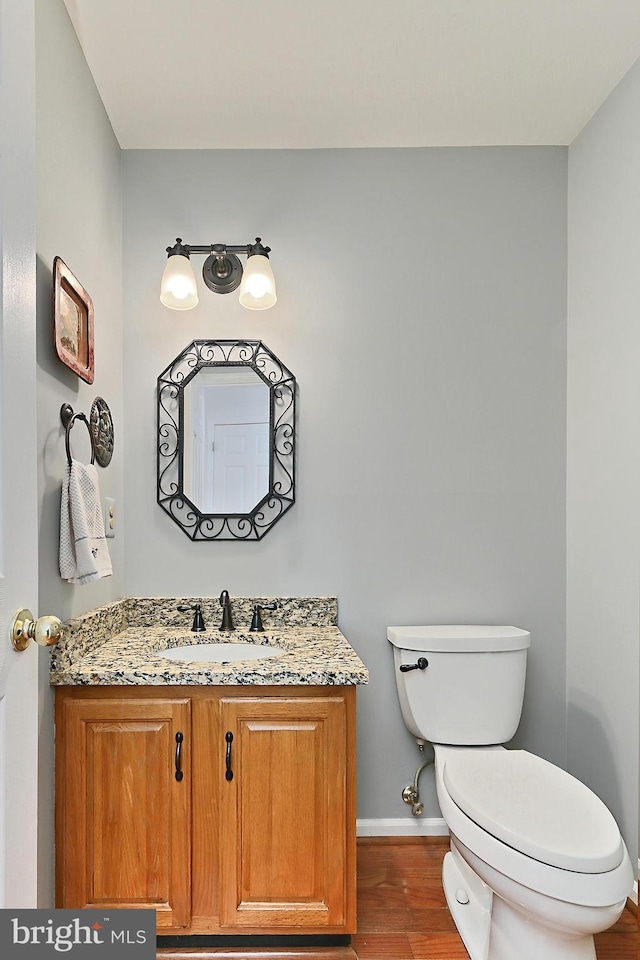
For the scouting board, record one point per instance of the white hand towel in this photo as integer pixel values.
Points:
(84, 555)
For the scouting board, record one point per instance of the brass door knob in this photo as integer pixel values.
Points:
(45, 630)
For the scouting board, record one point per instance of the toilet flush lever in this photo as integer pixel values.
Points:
(422, 664)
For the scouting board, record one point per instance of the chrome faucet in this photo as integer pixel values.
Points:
(227, 620)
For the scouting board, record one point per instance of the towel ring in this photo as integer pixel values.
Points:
(70, 423)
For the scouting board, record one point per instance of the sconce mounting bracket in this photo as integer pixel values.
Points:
(222, 273)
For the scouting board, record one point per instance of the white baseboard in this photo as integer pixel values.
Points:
(403, 827)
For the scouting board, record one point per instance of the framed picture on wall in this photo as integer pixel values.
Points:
(73, 322)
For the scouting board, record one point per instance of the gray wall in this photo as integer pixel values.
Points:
(603, 505)
(79, 218)
(423, 310)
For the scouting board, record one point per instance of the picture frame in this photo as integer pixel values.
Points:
(73, 322)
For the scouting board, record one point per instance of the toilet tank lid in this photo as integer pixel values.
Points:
(459, 638)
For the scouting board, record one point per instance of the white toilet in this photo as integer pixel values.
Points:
(537, 864)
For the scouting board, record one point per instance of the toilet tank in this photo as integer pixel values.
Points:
(472, 689)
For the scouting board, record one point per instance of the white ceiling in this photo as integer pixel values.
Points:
(354, 73)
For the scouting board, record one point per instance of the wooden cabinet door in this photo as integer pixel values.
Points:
(285, 844)
(123, 817)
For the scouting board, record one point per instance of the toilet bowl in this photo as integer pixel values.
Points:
(508, 921)
(537, 864)
(528, 908)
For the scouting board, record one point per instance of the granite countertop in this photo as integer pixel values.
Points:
(119, 644)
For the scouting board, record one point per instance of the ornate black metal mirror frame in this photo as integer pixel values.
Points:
(209, 354)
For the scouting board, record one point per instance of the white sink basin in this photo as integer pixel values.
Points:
(220, 652)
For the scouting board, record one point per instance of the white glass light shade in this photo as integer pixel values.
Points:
(178, 287)
(258, 288)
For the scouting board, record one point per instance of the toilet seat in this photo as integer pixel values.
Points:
(587, 889)
(536, 808)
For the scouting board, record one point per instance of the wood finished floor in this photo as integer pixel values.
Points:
(402, 914)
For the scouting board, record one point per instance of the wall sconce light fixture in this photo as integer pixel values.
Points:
(222, 272)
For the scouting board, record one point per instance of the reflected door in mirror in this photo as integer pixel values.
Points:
(240, 466)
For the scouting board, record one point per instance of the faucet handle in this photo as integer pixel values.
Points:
(256, 623)
(198, 619)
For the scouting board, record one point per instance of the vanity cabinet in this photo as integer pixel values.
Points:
(257, 835)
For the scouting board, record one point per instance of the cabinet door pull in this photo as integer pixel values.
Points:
(229, 772)
(179, 739)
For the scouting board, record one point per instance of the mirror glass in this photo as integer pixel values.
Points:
(226, 417)
(226, 440)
